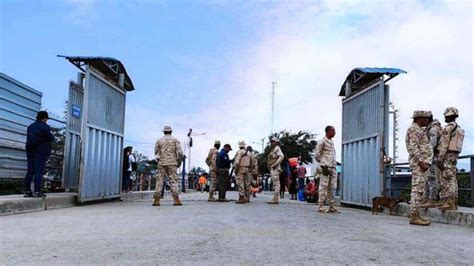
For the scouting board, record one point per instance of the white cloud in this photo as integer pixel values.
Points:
(311, 47)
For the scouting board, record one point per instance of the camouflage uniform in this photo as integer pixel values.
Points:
(211, 157)
(274, 160)
(326, 156)
(434, 132)
(253, 172)
(419, 150)
(168, 151)
(449, 157)
(242, 169)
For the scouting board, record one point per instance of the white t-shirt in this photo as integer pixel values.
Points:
(131, 159)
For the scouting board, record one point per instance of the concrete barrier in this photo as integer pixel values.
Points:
(15, 204)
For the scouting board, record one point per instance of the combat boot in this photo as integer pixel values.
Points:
(177, 202)
(211, 197)
(448, 205)
(156, 201)
(415, 219)
(332, 209)
(440, 202)
(241, 200)
(274, 200)
(429, 203)
(247, 198)
(321, 208)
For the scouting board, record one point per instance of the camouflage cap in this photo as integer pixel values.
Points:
(435, 121)
(450, 111)
(217, 142)
(275, 139)
(241, 144)
(422, 114)
(167, 129)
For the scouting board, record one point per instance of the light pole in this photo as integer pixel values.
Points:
(261, 142)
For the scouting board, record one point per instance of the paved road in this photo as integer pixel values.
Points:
(225, 233)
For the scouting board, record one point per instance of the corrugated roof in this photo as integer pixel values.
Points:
(361, 76)
(109, 66)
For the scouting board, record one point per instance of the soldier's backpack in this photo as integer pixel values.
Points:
(456, 140)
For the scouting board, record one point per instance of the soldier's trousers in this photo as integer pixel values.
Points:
(248, 185)
(223, 182)
(170, 172)
(418, 185)
(431, 190)
(327, 184)
(241, 179)
(275, 174)
(448, 182)
(214, 176)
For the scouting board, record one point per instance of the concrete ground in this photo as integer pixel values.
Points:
(202, 232)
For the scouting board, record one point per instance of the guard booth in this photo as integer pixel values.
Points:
(95, 127)
(365, 120)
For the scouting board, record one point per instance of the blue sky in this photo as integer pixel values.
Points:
(209, 64)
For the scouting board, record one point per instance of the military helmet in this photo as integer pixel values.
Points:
(167, 129)
(241, 144)
(275, 139)
(450, 111)
(435, 121)
(418, 113)
(217, 142)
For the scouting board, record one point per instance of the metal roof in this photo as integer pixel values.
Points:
(109, 66)
(361, 76)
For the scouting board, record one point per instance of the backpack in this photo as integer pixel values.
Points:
(456, 139)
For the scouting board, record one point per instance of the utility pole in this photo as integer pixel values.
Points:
(395, 138)
(273, 106)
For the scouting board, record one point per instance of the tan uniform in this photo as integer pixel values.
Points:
(448, 182)
(419, 150)
(242, 166)
(169, 154)
(274, 160)
(211, 158)
(326, 157)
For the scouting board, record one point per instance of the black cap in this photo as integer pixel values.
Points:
(228, 146)
(42, 115)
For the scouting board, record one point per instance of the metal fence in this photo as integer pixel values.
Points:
(399, 182)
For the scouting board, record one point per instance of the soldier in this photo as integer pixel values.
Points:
(431, 191)
(211, 162)
(169, 154)
(449, 148)
(420, 158)
(242, 166)
(253, 172)
(326, 157)
(274, 160)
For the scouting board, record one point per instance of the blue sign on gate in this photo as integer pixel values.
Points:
(76, 111)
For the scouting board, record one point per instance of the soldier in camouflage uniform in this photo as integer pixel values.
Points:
(431, 191)
(169, 154)
(211, 162)
(242, 166)
(274, 160)
(420, 158)
(449, 148)
(326, 157)
(253, 173)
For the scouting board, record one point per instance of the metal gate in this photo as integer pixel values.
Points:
(364, 123)
(103, 128)
(72, 148)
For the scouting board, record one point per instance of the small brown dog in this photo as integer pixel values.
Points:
(384, 201)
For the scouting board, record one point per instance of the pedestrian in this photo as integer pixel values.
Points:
(129, 165)
(211, 162)
(311, 191)
(38, 149)
(242, 166)
(431, 191)
(202, 183)
(420, 158)
(326, 157)
(275, 157)
(449, 148)
(170, 155)
(301, 175)
(223, 165)
(253, 176)
(293, 185)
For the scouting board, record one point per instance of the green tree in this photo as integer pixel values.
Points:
(299, 144)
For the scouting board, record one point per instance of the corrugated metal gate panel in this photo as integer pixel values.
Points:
(72, 152)
(104, 112)
(362, 140)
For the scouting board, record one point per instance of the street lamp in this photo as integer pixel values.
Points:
(189, 145)
(261, 142)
